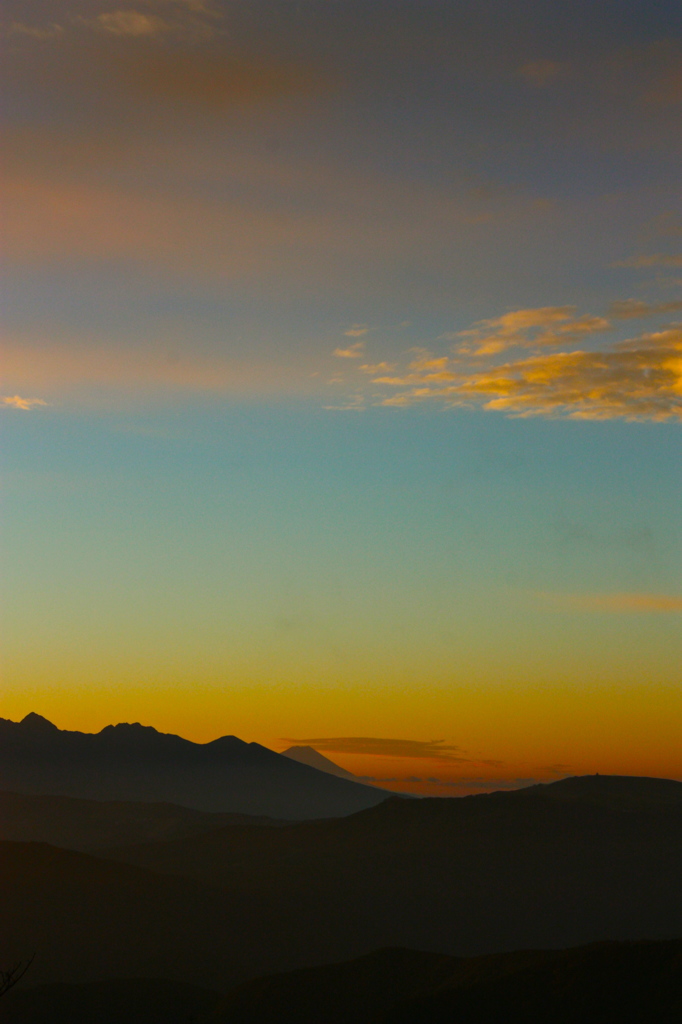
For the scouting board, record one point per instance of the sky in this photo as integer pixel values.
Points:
(341, 379)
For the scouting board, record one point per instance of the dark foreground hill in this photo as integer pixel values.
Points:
(611, 983)
(548, 868)
(91, 824)
(133, 762)
(88, 919)
(555, 866)
(129, 1001)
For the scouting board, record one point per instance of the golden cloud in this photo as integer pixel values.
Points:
(355, 351)
(523, 328)
(637, 379)
(17, 402)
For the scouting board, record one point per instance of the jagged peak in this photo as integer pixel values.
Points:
(37, 723)
(131, 727)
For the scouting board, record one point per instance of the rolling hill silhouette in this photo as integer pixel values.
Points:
(134, 762)
(609, 983)
(91, 824)
(125, 1001)
(549, 867)
(555, 865)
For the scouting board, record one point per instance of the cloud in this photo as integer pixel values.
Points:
(17, 402)
(615, 603)
(356, 331)
(354, 404)
(637, 379)
(640, 379)
(631, 309)
(653, 260)
(667, 91)
(546, 325)
(131, 23)
(355, 351)
(541, 72)
(40, 32)
(486, 784)
(374, 368)
(372, 745)
(165, 368)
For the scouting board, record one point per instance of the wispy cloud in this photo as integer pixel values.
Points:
(130, 23)
(653, 260)
(39, 32)
(373, 745)
(616, 603)
(374, 368)
(17, 402)
(523, 328)
(73, 369)
(636, 379)
(355, 351)
(542, 72)
(356, 331)
(635, 309)
(354, 404)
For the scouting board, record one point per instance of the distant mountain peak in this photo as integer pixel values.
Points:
(131, 761)
(36, 723)
(131, 728)
(314, 759)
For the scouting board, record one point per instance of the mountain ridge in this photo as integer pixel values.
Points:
(308, 755)
(130, 761)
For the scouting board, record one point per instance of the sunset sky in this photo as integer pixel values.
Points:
(342, 379)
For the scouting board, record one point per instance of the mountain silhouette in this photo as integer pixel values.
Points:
(134, 762)
(551, 866)
(544, 868)
(123, 1001)
(92, 824)
(605, 983)
(308, 755)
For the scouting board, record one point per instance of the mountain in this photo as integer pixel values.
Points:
(551, 866)
(606, 983)
(130, 1000)
(547, 868)
(87, 919)
(312, 757)
(91, 824)
(134, 762)
(609, 983)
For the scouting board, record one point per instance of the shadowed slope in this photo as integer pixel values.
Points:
(90, 824)
(463, 876)
(610, 983)
(127, 1001)
(88, 919)
(638, 983)
(134, 762)
(312, 757)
